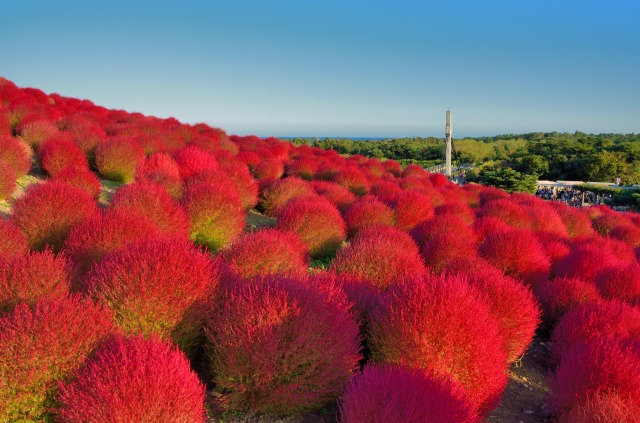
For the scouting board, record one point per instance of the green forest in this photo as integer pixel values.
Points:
(536, 155)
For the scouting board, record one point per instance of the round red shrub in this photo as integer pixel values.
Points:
(12, 242)
(34, 275)
(379, 256)
(15, 153)
(105, 232)
(585, 262)
(266, 252)
(545, 220)
(339, 196)
(619, 249)
(439, 250)
(8, 182)
(261, 322)
(386, 191)
(559, 295)
(119, 158)
(39, 131)
(240, 176)
(513, 305)
(589, 321)
(46, 213)
(596, 381)
(215, 214)
(606, 222)
(442, 224)
(556, 247)
(352, 178)
(486, 226)
(154, 202)
(420, 184)
(462, 210)
(5, 124)
(441, 324)
(508, 211)
(192, 160)
(368, 211)
(134, 380)
(329, 169)
(393, 167)
(412, 208)
(438, 179)
(250, 158)
(269, 169)
(316, 222)
(304, 167)
(488, 194)
(381, 394)
(518, 254)
(627, 234)
(83, 179)
(162, 169)
(57, 155)
(279, 192)
(575, 220)
(156, 286)
(620, 282)
(42, 345)
(86, 134)
(413, 170)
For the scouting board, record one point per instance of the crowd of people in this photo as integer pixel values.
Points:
(570, 196)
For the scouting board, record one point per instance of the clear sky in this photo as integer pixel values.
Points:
(338, 68)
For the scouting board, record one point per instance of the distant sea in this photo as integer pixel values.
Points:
(341, 138)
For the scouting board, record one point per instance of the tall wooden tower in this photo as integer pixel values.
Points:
(447, 133)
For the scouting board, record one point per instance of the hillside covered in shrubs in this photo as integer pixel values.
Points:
(387, 291)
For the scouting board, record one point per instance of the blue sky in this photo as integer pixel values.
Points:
(338, 68)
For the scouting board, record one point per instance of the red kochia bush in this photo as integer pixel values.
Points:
(441, 224)
(513, 306)
(134, 380)
(153, 201)
(508, 211)
(119, 158)
(380, 257)
(412, 208)
(393, 167)
(46, 213)
(269, 169)
(442, 248)
(282, 346)
(156, 286)
(628, 234)
(575, 220)
(386, 191)
(192, 160)
(368, 211)
(585, 262)
(266, 252)
(42, 345)
(442, 325)
(81, 178)
(352, 178)
(598, 381)
(107, 231)
(559, 295)
(12, 242)
(381, 394)
(339, 196)
(605, 318)
(34, 133)
(15, 153)
(518, 254)
(621, 282)
(215, 214)
(162, 169)
(8, 182)
(58, 154)
(239, 175)
(316, 222)
(32, 276)
(279, 192)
